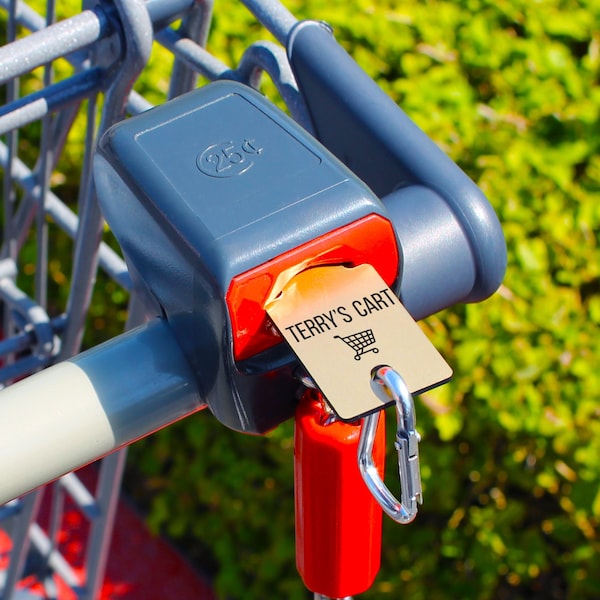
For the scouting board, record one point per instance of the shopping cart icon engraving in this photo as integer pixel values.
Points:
(361, 342)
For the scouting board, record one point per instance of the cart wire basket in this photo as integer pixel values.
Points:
(65, 80)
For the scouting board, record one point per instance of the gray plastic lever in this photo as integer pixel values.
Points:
(451, 239)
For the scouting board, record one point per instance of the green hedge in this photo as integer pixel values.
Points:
(511, 447)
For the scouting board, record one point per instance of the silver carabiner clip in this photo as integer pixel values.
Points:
(387, 384)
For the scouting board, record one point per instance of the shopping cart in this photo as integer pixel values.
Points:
(360, 342)
(107, 46)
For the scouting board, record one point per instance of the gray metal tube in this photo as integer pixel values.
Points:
(64, 37)
(82, 409)
(72, 34)
(274, 16)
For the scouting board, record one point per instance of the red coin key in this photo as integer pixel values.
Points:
(338, 521)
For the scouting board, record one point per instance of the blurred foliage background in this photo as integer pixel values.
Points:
(510, 89)
(510, 457)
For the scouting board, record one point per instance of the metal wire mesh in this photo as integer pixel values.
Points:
(54, 76)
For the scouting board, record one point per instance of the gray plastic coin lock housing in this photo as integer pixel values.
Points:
(217, 198)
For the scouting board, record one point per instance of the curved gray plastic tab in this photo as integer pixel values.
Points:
(450, 222)
(438, 264)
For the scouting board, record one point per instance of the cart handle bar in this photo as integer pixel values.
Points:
(82, 409)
